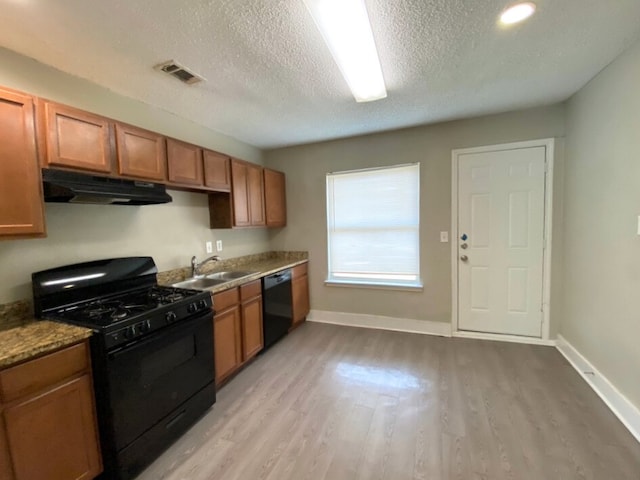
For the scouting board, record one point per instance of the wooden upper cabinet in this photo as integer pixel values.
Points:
(240, 193)
(217, 171)
(255, 189)
(73, 138)
(141, 153)
(275, 198)
(184, 163)
(245, 206)
(21, 207)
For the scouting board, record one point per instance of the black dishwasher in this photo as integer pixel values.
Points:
(277, 314)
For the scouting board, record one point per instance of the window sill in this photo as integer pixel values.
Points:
(413, 287)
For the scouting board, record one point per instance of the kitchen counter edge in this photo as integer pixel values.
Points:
(37, 338)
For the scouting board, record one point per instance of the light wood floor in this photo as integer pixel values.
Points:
(342, 403)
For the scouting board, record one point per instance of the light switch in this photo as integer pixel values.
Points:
(219, 245)
(444, 237)
(638, 224)
(209, 247)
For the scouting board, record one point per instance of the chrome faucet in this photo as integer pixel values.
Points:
(195, 266)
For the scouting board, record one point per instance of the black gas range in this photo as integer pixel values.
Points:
(152, 353)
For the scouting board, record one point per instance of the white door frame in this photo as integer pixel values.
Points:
(549, 145)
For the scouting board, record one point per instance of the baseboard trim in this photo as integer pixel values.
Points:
(504, 338)
(408, 325)
(620, 405)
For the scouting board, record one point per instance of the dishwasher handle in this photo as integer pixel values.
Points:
(277, 278)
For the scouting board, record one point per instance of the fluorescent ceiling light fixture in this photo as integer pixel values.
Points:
(517, 13)
(344, 24)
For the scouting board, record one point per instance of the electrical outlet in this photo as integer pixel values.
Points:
(209, 247)
(219, 245)
(444, 237)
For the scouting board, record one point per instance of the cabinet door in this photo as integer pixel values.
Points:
(274, 198)
(75, 139)
(21, 207)
(53, 436)
(184, 163)
(141, 153)
(240, 193)
(217, 171)
(252, 337)
(227, 342)
(6, 473)
(256, 195)
(300, 294)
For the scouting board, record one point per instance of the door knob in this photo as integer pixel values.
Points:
(464, 258)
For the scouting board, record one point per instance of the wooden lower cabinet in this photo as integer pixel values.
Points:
(238, 333)
(300, 293)
(49, 432)
(252, 335)
(226, 333)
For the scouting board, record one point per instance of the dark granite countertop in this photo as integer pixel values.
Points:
(262, 264)
(34, 338)
(22, 337)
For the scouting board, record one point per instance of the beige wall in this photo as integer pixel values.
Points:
(306, 166)
(602, 204)
(170, 233)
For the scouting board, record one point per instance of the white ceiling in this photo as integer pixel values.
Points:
(271, 81)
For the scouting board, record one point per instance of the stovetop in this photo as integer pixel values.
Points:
(119, 298)
(122, 318)
(106, 311)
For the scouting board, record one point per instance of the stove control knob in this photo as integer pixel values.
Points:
(202, 304)
(192, 308)
(170, 317)
(130, 332)
(144, 326)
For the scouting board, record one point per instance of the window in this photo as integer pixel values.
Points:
(373, 226)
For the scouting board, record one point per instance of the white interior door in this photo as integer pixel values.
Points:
(500, 241)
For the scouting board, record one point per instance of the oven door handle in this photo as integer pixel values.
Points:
(172, 330)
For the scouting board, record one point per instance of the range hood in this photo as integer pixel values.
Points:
(71, 187)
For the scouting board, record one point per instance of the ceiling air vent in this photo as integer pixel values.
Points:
(181, 73)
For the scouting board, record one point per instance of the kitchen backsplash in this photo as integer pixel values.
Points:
(15, 314)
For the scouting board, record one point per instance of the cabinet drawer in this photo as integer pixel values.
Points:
(225, 299)
(34, 375)
(249, 290)
(299, 270)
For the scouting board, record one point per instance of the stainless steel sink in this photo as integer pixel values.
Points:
(211, 280)
(227, 276)
(203, 283)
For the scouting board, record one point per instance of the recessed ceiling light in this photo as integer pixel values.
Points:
(344, 25)
(517, 13)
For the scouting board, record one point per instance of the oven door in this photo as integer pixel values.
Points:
(149, 379)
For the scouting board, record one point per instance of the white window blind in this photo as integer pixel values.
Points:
(373, 222)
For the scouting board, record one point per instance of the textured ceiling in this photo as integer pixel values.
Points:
(271, 81)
